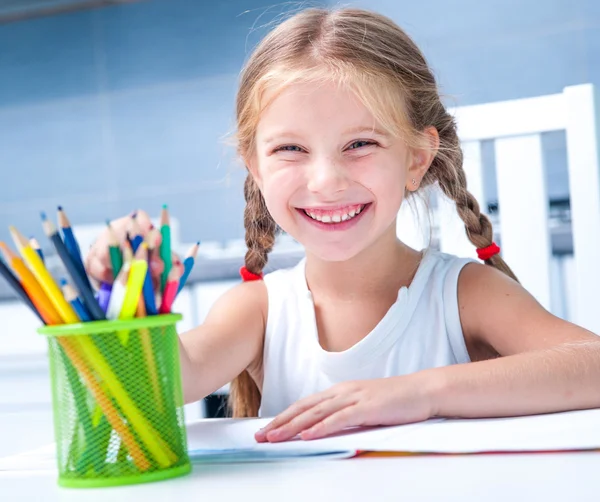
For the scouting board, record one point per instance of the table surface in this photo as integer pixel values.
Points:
(490, 477)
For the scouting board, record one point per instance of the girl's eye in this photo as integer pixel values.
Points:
(288, 148)
(359, 144)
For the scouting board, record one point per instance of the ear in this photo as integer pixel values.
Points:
(252, 166)
(422, 157)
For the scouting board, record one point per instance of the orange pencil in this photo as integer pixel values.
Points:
(105, 404)
(31, 286)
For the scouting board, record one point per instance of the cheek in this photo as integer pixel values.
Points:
(387, 185)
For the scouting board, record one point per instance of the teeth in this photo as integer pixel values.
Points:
(336, 217)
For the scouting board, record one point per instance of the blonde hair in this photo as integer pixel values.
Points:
(372, 56)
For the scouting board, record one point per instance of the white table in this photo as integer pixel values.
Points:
(490, 478)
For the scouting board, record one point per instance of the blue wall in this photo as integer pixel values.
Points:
(108, 110)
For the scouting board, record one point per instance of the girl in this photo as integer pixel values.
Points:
(339, 119)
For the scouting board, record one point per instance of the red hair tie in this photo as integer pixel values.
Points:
(249, 276)
(487, 252)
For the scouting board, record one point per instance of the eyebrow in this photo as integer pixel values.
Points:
(353, 130)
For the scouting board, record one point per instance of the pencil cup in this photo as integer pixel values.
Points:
(118, 401)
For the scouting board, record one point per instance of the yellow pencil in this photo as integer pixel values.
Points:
(31, 286)
(144, 334)
(46, 281)
(135, 282)
(137, 274)
(155, 445)
(105, 404)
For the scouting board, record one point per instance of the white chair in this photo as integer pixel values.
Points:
(516, 127)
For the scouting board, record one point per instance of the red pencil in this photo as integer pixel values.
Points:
(170, 291)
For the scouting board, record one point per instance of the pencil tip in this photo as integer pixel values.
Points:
(63, 281)
(134, 215)
(59, 208)
(197, 243)
(43, 215)
(165, 206)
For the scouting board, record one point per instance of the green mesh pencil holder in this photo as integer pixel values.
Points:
(118, 401)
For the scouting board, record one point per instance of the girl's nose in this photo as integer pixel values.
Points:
(327, 177)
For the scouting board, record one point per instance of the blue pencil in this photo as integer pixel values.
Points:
(71, 296)
(188, 264)
(85, 290)
(135, 234)
(71, 244)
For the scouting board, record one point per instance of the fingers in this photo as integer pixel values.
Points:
(307, 419)
(289, 414)
(98, 269)
(336, 422)
(143, 220)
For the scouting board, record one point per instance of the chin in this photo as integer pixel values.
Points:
(334, 253)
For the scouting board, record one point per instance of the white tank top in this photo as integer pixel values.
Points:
(420, 330)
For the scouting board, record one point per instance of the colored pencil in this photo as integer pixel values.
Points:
(170, 291)
(135, 282)
(127, 252)
(117, 294)
(188, 265)
(71, 296)
(154, 444)
(114, 249)
(31, 286)
(165, 246)
(148, 289)
(103, 296)
(135, 233)
(87, 294)
(36, 246)
(18, 288)
(44, 278)
(146, 342)
(105, 403)
(72, 245)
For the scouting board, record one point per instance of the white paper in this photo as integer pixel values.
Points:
(577, 430)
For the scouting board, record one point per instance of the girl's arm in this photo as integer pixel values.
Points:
(228, 342)
(549, 364)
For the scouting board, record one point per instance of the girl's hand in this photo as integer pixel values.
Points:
(97, 261)
(384, 401)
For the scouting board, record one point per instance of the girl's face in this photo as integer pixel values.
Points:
(331, 178)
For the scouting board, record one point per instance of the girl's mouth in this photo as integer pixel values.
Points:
(335, 218)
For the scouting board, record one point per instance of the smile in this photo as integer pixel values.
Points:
(339, 217)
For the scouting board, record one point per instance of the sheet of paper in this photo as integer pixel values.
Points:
(262, 455)
(239, 433)
(577, 430)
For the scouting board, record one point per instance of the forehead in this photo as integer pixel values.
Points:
(311, 106)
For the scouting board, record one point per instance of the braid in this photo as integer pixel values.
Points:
(447, 170)
(260, 238)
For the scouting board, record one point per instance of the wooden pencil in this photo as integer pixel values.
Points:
(32, 288)
(87, 294)
(44, 278)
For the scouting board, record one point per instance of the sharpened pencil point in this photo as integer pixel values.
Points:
(43, 215)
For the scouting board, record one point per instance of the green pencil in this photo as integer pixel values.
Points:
(116, 258)
(165, 245)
